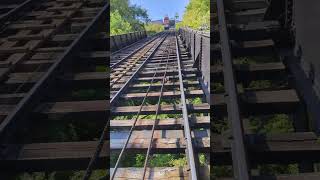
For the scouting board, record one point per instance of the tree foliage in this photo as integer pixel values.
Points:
(196, 15)
(125, 18)
(154, 28)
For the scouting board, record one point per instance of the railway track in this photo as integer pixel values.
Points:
(254, 89)
(52, 91)
(154, 114)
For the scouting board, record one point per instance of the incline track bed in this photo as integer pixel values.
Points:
(269, 135)
(149, 108)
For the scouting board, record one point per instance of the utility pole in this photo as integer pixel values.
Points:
(176, 18)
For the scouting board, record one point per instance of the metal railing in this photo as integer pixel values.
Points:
(198, 44)
(119, 41)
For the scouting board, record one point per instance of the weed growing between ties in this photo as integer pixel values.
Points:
(156, 160)
(217, 87)
(66, 130)
(276, 123)
(89, 94)
(221, 171)
(275, 169)
(267, 84)
(255, 60)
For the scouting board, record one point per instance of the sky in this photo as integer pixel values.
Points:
(157, 9)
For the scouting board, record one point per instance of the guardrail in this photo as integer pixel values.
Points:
(198, 44)
(119, 41)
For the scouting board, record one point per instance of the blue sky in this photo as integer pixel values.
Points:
(157, 9)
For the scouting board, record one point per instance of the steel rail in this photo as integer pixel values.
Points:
(134, 125)
(123, 88)
(156, 116)
(13, 13)
(186, 129)
(115, 79)
(239, 156)
(131, 54)
(34, 95)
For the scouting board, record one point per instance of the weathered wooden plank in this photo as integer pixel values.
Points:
(15, 47)
(170, 123)
(159, 173)
(64, 37)
(148, 79)
(85, 77)
(167, 94)
(249, 32)
(73, 107)
(28, 77)
(249, 72)
(26, 35)
(167, 85)
(165, 109)
(37, 24)
(161, 145)
(243, 17)
(159, 72)
(247, 48)
(272, 148)
(164, 133)
(11, 98)
(12, 59)
(45, 55)
(54, 156)
(288, 147)
(238, 5)
(259, 102)
(70, 7)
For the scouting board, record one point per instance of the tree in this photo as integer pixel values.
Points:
(196, 15)
(118, 25)
(126, 18)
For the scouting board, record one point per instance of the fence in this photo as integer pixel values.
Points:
(119, 41)
(198, 44)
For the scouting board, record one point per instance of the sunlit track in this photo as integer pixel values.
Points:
(161, 101)
(123, 54)
(128, 68)
(252, 85)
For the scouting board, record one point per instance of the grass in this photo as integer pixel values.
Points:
(217, 87)
(89, 94)
(255, 60)
(66, 130)
(221, 171)
(196, 100)
(219, 125)
(264, 84)
(278, 123)
(271, 169)
(102, 69)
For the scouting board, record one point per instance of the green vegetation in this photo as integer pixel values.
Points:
(196, 15)
(125, 18)
(64, 175)
(221, 171)
(156, 160)
(153, 28)
(278, 123)
(271, 169)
